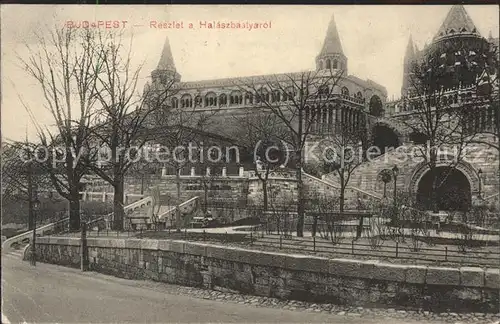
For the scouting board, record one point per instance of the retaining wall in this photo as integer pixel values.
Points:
(286, 276)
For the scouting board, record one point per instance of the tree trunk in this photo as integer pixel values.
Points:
(498, 198)
(434, 198)
(74, 211)
(118, 211)
(205, 194)
(300, 193)
(30, 199)
(342, 197)
(264, 194)
(178, 219)
(315, 225)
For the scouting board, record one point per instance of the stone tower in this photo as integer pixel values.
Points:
(165, 72)
(331, 55)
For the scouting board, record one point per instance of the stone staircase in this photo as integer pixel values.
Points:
(136, 215)
(366, 177)
(145, 214)
(167, 214)
(329, 187)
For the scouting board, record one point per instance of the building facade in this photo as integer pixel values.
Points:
(362, 104)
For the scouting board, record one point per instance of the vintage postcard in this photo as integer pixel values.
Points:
(250, 164)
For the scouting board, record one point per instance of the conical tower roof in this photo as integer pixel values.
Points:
(166, 60)
(332, 42)
(410, 51)
(457, 22)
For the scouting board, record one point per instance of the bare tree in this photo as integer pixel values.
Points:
(63, 64)
(22, 176)
(261, 133)
(281, 209)
(124, 117)
(295, 100)
(181, 131)
(343, 154)
(325, 221)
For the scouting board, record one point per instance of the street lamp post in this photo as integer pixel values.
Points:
(395, 172)
(480, 174)
(36, 207)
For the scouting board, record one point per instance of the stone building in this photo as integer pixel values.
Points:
(355, 103)
(457, 44)
(350, 100)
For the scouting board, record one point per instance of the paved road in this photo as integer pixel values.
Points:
(50, 293)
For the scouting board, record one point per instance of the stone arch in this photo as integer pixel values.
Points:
(186, 100)
(453, 193)
(385, 135)
(464, 167)
(236, 98)
(210, 99)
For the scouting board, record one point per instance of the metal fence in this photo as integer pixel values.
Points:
(384, 250)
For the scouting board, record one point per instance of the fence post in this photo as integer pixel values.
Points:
(397, 247)
(281, 241)
(83, 248)
(314, 243)
(204, 239)
(141, 231)
(352, 247)
(226, 237)
(185, 233)
(446, 253)
(251, 238)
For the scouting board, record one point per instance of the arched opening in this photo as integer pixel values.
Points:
(384, 138)
(328, 64)
(453, 190)
(186, 101)
(223, 99)
(418, 138)
(376, 108)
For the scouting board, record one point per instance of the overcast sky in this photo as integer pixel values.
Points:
(374, 39)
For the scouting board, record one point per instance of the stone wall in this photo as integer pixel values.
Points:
(286, 276)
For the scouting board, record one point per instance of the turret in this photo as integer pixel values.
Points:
(456, 23)
(331, 55)
(165, 72)
(409, 60)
